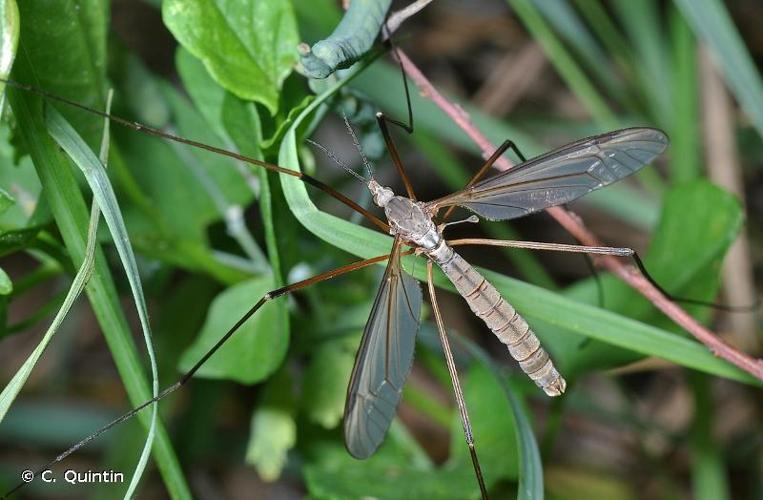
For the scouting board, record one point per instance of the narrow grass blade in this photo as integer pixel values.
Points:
(641, 23)
(564, 19)
(713, 25)
(564, 63)
(78, 284)
(684, 136)
(709, 480)
(99, 183)
(602, 23)
(68, 208)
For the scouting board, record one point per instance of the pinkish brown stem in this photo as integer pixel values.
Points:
(576, 228)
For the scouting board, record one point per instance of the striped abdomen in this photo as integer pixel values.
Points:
(502, 319)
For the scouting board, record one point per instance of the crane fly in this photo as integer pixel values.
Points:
(386, 351)
(385, 356)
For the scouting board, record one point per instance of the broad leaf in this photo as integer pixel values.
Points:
(325, 382)
(68, 39)
(387, 474)
(493, 427)
(249, 46)
(273, 428)
(255, 351)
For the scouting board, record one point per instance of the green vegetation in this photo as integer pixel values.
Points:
(203, 237)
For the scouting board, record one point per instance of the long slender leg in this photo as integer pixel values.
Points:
(187, 376)
(486, 166)
(750, 308)
(460, 402)
(537, 245)
(382, 120)
(408, 127)
(200, 145)
(615, 251)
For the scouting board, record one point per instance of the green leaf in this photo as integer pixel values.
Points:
(325, 382)
(211, 100)
(387, 474)
(173, 185)
(713, 24)
(530, 467)
(215, 174)
(68, 39)
(248, 46)
(158, 229)
(255, 351)
(236, 123)
(6, 201)
(492, 424)
(6, 286)
(9, 38)
(709, 477)
(273, 428)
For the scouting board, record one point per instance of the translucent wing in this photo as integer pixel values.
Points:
(383, 361)
(562, 175)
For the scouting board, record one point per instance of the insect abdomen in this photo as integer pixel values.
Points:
(503, 320)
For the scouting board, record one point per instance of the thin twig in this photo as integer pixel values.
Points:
(399, 16)
(514, 75)
(574, 225)
(724, 169)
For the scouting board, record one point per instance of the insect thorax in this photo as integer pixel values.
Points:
(406, 217)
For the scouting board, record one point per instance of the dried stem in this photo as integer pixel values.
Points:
(724, 169)
(574, 225)
(400, 16)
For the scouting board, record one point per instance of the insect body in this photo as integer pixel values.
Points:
(386, 351)
(413, 222)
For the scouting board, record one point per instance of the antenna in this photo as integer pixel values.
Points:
(337, 161)
(356, 143)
